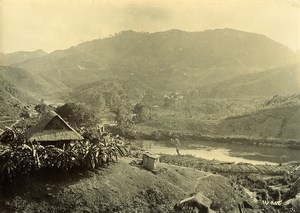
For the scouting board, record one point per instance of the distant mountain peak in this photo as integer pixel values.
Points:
(20, 56)
(176, 31)
(40, 51)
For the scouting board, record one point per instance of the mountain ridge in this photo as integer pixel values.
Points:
(166, 60)
(20, 56)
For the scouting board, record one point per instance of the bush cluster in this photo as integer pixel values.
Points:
(21, 157)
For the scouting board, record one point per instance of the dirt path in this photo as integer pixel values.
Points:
(206, 176)
(200, 178)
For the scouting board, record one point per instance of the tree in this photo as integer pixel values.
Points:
(123, 116)
(40, 108)
(77, 114)
(142, 112)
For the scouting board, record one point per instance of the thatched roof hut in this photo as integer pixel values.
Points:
(52, 129)
(198, 201)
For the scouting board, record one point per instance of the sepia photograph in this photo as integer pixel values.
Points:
(150, 106)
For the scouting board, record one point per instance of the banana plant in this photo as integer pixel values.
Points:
(64, 158)
(19, 156)
(50, 156)
(89, 154)
(8, 171)
(68, 157)
(115, 148)
(8, 168)
(31, 154)
(102, 157)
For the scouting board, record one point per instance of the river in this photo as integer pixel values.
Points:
(225, 151)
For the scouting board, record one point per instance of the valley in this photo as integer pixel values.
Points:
(221, 107)
(191, 81)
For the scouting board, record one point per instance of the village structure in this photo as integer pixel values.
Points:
(199, 203)
(52, 129)
(150, 161)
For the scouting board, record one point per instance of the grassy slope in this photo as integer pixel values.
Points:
(280, 122)
(12, 99)
(34, 85)
(119, 188)
(280, 81)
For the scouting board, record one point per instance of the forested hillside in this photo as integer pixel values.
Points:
(170, 60)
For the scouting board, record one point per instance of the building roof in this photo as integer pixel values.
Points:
(39, 132)
(199, 198)
(150, 155)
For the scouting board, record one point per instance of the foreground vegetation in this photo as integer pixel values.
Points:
(19, 157)
(121, 187)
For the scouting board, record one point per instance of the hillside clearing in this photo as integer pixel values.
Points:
(120, 188)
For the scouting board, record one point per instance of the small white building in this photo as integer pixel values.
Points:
(150, 161)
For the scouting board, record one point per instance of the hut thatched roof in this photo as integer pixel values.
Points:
(197, 200)
(150, 155)
(52, 127)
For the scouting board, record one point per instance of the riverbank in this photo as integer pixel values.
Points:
(158, 135)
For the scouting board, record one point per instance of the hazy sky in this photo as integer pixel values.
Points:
(59, 24)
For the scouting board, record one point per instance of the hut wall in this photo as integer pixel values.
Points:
(150, 163)
(59, 144)
(145, 161)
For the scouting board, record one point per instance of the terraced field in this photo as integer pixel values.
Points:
(228, 168)
(246, 168)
